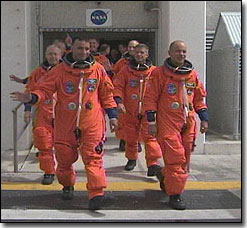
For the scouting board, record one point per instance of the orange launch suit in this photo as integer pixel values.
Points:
(176, 133)
(116, 68)
(127, 86)
(42, 125)
(96, 94)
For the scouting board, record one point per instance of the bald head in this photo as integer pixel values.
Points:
(177, 52)
(174, 43)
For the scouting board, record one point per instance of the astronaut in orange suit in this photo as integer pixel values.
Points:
(116, 68)
(99, 57)
(104, 51)
(43, 116)
(129, 89)
(84, 94)
(170, 103)
(126, 57)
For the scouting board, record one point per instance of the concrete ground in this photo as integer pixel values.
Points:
(211, 175)
(206, 167)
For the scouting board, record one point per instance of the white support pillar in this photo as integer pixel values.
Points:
(15, 59)
(163, 31)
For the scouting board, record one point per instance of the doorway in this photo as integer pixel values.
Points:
(112, 37)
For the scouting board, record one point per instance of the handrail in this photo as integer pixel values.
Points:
(17, 107)
(17, 137)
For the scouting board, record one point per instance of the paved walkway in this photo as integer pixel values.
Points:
(213, 179)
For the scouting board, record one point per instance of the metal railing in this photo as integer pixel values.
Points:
(16, 137)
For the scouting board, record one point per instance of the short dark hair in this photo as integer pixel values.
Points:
(142, 45)
(79, 39)
(124, 44)
(92, 38)
(103, 47)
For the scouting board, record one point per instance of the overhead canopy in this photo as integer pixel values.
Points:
(228, 30)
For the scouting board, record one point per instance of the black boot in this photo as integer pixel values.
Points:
(161, 178)
(139, 147)
(130, 165)
(175, 202)
(98, 202)
(47, 179)
(122, 145)
(68, 193)
(153, 170)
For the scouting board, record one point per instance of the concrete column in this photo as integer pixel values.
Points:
(163, 31)
(15, 59)
(185, 20)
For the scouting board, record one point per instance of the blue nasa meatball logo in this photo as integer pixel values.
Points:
(98, 17)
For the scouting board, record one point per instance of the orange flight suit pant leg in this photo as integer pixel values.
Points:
(66, 155)
(43, 141)
(131, 136)
(175, 170)
(120, 131)
(93, 161)
(152, 148)
(188, 138)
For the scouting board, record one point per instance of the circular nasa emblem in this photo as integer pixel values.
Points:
(175, 105)
(98, 17)
(134, 96)
(72, 106)
(171, 88)
(69, 87)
